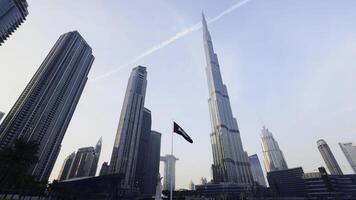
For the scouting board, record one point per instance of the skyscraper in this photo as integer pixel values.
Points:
(256, 170)
(169, 175)
(272, 155)
(67, 164)
(349, 150)
(329, 158)
(126, 144)
(12, 14)
(148, 159)
(44, 109)
(82, 163)
(230, 161)
(97, 152)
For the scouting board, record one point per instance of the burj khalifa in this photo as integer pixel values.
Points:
(230, 160)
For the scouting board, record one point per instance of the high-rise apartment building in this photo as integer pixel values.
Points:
(230, 160)
(127, 140)
(349, 150)
(329, 158)
(272, 155)
(44, 109)
(12, 14)
(256, 170)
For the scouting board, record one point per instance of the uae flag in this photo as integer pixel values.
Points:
(177, 129)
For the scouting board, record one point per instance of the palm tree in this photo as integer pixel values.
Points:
(15, 163)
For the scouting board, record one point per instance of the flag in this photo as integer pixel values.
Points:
(177, 129)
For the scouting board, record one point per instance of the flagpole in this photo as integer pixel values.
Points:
(170, 168)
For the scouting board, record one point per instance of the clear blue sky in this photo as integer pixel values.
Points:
(287, 64)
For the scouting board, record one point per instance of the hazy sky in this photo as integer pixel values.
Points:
(288, 64)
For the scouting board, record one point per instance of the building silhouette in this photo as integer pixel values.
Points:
(66, 167)
(147, 169)
(349, 150)
(126, 145)
(12, 14)
(230, 160)
(256, 170)
(272, 155)
(329, 158)
(169, 175)
(44, 109)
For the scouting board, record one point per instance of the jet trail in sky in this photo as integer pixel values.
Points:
(172, 39)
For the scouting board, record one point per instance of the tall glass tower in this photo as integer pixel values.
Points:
(349, 150)
(12, 14)
(230, 160)
(272, 155)
(126, 144)
(329, 158)
(44, 109)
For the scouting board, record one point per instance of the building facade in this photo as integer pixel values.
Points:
(82, 163)
(66, 167)
(44, 109)
(97, 152)
(256, 170)
(126, 144)
(329, 158)
(169, 175)
(349, 150)
(12, 14)
(272, 155)
(230, 160)
(147, 169)
(287, 183)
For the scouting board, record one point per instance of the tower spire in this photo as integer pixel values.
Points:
(230, 160)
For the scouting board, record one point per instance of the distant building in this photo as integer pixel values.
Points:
(67, 164)
(169, 175)
(272, 155)
(12, 14)
(97, 152)
(349, 150)
(105, 169)
(44, 109)
(147, 170)
(82, 163)
(203, 181)
(126, 145)
(191, 185)
(287, 183)
(329, 158)
(256, 170)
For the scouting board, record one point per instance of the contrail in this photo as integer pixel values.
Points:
(172, 39)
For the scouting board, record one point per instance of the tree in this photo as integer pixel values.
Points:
(15, 162)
